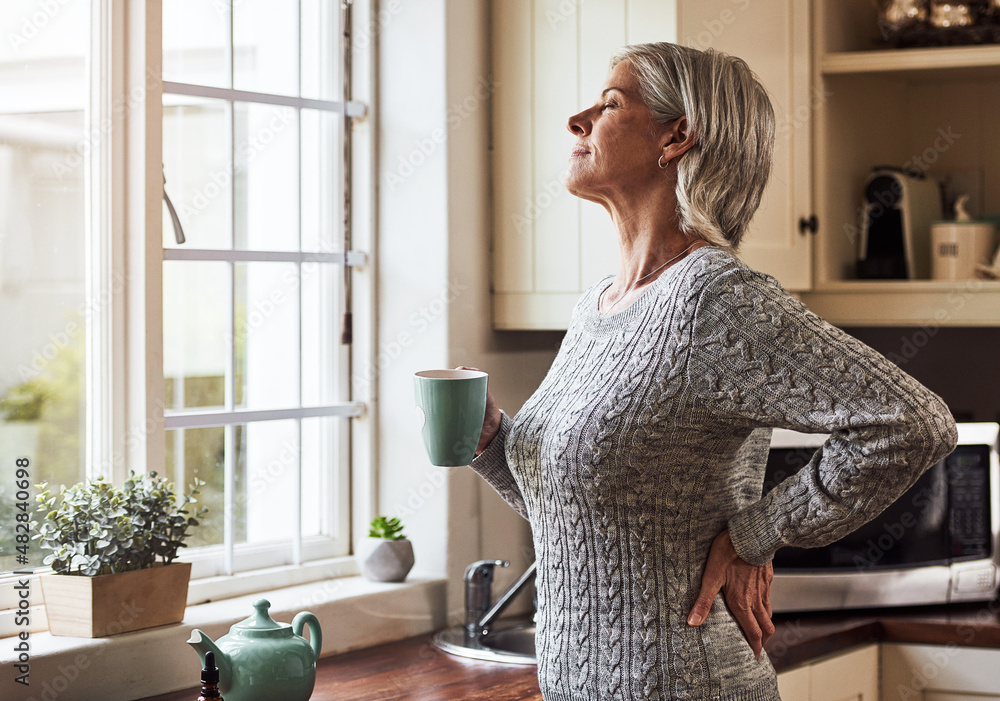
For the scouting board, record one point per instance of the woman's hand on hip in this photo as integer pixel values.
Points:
(491, 421)
(746, 589)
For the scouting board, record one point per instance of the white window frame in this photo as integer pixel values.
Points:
(249, 557)
(125, 420)
(148, 441)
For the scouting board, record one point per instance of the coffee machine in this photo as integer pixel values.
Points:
(896, 215)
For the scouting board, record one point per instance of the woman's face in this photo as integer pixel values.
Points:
(617, 142)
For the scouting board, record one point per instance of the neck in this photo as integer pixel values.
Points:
(648, 235)
(648, 246)
(649, 240)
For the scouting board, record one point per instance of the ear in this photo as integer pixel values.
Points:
(677, 140)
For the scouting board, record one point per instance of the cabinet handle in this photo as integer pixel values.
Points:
(810, 225)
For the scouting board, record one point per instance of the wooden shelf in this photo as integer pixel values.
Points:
(911, 286)
(907, 303)
(960, 62)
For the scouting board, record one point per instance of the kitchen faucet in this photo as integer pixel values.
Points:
(480, 612)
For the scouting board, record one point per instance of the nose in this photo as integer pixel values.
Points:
(580, 123)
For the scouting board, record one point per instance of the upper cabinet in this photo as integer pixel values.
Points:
(773, 38)
(932, 110)
(550, 58)
(843, 105)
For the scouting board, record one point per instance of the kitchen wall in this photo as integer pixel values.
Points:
(960, 364)
(433, 293)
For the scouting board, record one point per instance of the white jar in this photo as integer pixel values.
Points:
(958, 247)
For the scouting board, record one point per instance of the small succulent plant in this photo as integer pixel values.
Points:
(386, 528)
(94, 528)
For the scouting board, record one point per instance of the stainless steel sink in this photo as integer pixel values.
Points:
(511, 640)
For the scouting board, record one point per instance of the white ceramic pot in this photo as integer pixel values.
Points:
(383, 560)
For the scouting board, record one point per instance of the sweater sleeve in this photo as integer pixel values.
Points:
(760, 358)
(492, 466)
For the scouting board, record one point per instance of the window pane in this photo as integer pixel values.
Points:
(267, 188)
(322, 204)
(320, 60)
(320, 332)
(43, 305)
(320, 487)
(266, 46)
(267, 335)
(198, 166)
(269, 458)
(195, 35)
(200, 453)
(195, 333)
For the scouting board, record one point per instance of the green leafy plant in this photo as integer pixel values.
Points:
(93, 528)
(386, 528)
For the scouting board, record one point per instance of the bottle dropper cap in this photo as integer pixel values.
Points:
(210, 674)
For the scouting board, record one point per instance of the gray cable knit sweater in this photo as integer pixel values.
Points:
(648, 437)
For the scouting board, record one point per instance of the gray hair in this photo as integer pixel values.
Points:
(721, 179)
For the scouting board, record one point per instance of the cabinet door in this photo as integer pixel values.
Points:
(550, 58)
(940, 673)
(773, 37)
(793, 685)
(852, 676)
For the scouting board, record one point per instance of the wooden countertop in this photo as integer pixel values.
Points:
(415, 670)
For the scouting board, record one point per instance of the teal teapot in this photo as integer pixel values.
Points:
(261, 660)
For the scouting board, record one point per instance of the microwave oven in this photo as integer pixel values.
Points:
(936, 544)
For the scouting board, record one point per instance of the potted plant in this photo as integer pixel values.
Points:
(385, 555)
(112, 552)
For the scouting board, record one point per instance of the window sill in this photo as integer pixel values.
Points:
(353, 612)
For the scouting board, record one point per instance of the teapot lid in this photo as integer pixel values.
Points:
(260, 624)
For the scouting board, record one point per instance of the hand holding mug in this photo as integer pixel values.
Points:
(491, 422)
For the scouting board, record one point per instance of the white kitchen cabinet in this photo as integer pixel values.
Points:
(772, 36)
(550, 58)
(793, 685)
(843, 106)
(934, 110)
(939, 673)
(851, 676)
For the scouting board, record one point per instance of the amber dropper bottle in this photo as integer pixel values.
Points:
(210, 680)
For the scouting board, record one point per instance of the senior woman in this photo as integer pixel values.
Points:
(639, 460)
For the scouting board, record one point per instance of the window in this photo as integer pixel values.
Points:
(256, 379)
(44, 116)
(251, 378)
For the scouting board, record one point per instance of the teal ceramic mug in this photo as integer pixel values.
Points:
(451, 405)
